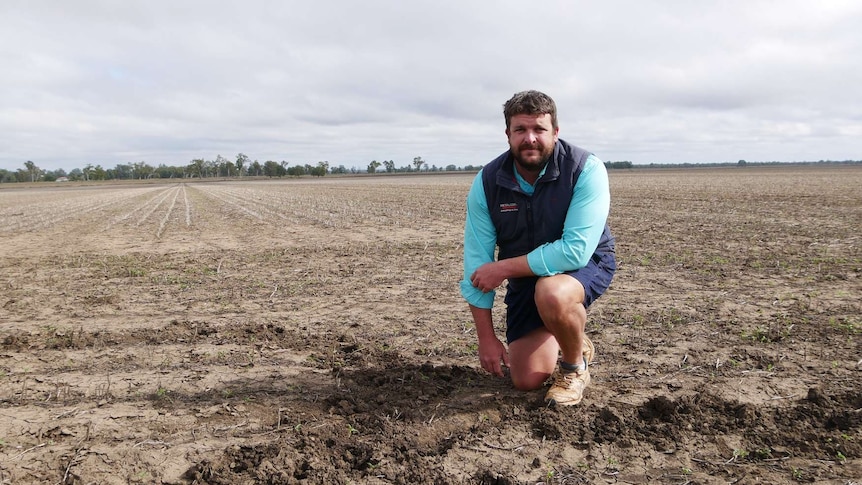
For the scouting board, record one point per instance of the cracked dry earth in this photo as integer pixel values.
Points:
(311, 331)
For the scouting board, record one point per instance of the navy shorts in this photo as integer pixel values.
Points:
(522, 316)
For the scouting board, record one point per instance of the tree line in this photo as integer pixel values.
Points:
(242, 166)
(221, 167)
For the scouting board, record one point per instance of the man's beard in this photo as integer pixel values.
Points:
(533, 163)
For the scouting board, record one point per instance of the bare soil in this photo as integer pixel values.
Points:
(311, 331)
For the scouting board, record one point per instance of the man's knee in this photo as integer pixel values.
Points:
(532, 359)
(559, 291)
(529, 381)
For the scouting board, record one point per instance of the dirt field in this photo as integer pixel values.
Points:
(311, 331)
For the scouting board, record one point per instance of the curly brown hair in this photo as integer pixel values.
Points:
(530, 103)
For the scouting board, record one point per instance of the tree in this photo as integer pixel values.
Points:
(320, 170)
(741, 163)
(142, 170)
(223, 166)
(623, 164)
(165, 172)
(121, 172)
(390, 165)
(76, 174)
(256, 169)
(53, 175)
(241, 161)
(274, 169)
(418, 162)
(32, 170)
(196, 168)
(296, 171)
(372, 167)
(98, 173)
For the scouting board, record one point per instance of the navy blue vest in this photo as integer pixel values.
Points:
(525, 222)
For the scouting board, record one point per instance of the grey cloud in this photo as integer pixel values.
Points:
(647, 81)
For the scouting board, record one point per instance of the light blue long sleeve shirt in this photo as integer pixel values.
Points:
(585, 221)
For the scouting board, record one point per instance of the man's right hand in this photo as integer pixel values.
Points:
(493, 356)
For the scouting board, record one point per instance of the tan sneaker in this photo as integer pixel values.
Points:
(567, 388)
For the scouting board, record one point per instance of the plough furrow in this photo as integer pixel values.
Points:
(167, 214)
(229, 203)
(159, 196)
(37, 216)
(155, 207)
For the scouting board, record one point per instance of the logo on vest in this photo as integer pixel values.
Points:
(509, 207)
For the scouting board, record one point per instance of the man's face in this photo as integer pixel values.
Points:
(532, 139)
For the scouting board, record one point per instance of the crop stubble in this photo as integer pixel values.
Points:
(311, 331)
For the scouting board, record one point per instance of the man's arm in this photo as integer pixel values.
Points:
(585, 221)
(480, 240)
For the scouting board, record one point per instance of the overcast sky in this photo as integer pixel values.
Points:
(108, 82)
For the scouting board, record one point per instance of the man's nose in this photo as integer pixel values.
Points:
(531, 137)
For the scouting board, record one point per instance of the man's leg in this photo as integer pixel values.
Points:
(533, 357)
(560, 301)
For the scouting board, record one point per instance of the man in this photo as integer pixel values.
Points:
(544, 203)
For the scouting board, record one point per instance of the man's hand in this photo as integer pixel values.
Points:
(491, 275)
(488, 276)
(492, 353)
